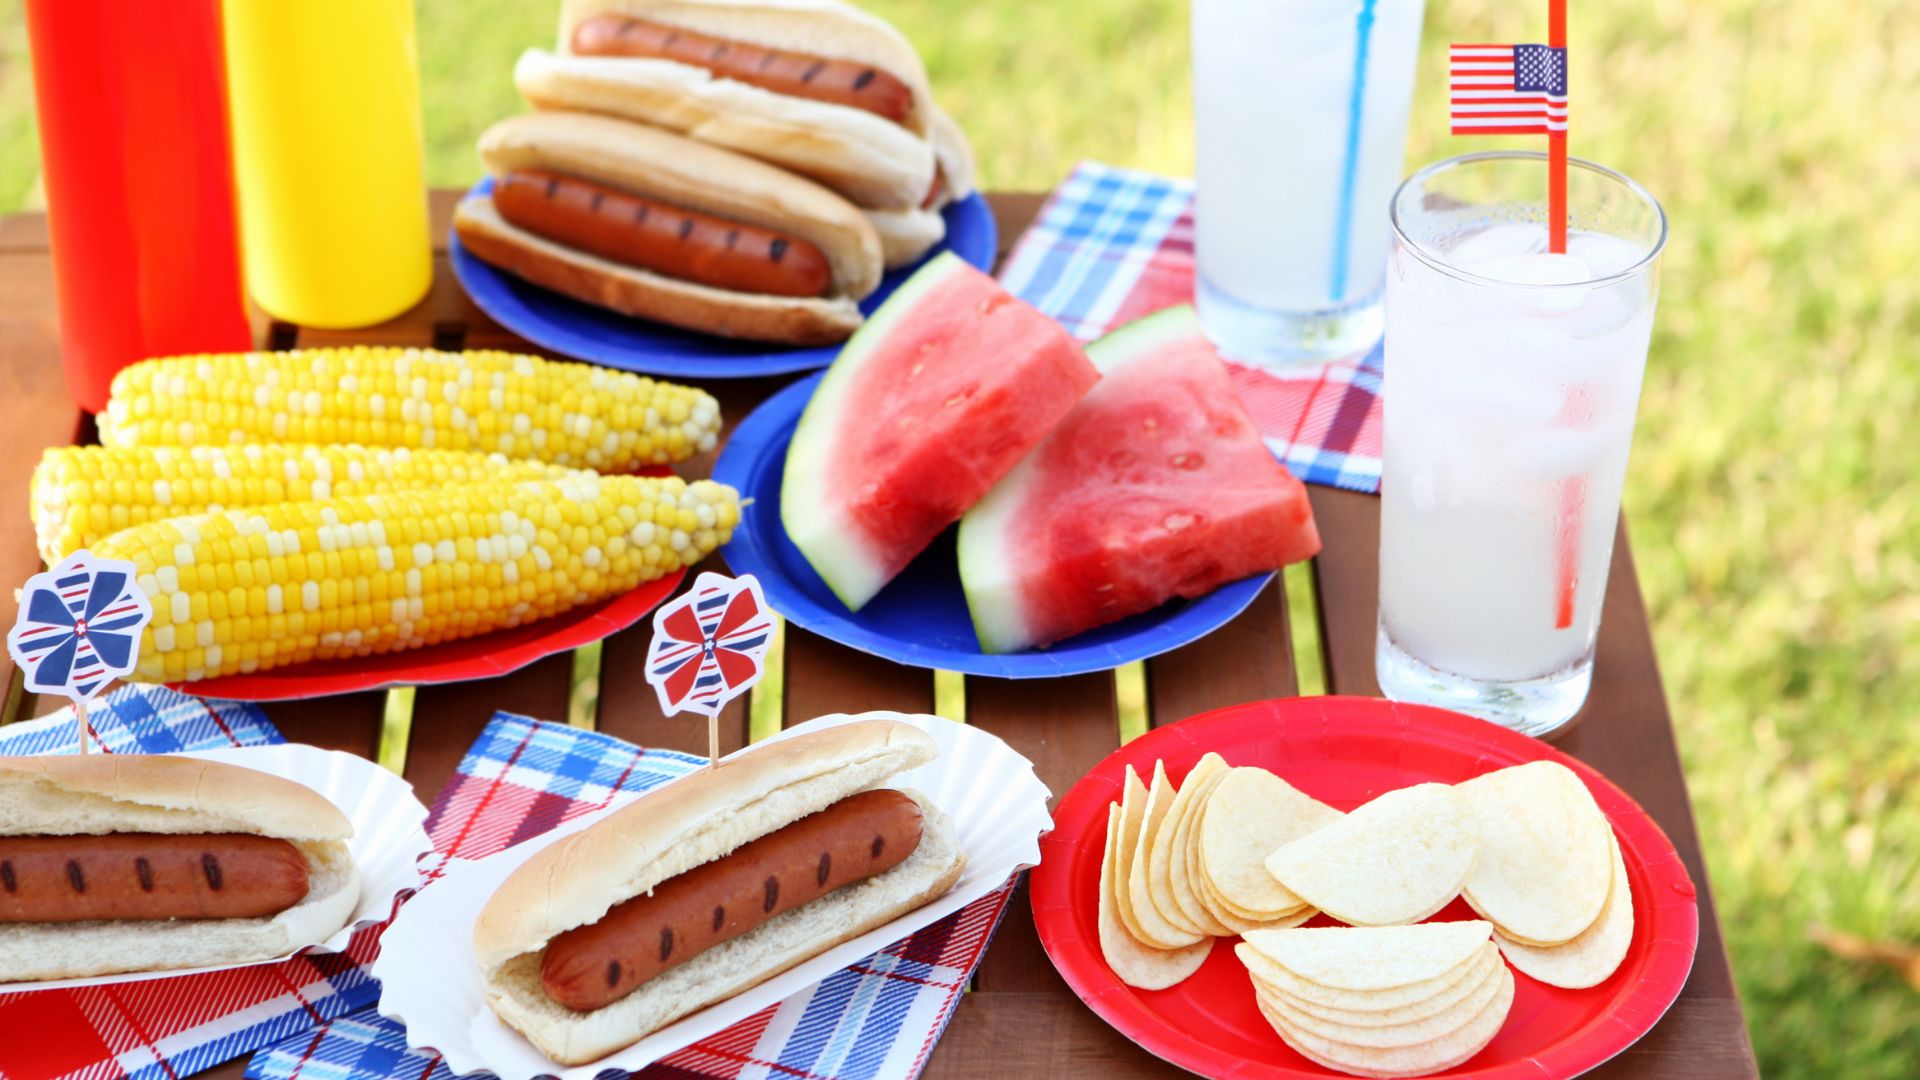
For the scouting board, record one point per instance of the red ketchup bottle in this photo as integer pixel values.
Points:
(139, 184)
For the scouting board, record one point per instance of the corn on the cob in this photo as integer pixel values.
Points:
(82, 493)
(247, 590)
(521, 406)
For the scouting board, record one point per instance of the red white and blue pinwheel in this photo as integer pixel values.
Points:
(708, 645)
(79, 626)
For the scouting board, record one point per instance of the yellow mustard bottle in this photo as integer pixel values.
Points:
(328, 156)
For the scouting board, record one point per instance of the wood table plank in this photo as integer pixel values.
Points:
(1064, 726)
(449, 717)
(1249, 659)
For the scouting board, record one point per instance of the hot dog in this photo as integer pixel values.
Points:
(655, 225)
(818, 87)
(783, 71)
(712, 884)
(114, 863)
(658, 236)
(854, 839)
(57, 879)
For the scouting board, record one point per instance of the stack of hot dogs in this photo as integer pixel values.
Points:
(745, 168)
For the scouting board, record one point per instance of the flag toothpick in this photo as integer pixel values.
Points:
(78, 628)
(709, 648)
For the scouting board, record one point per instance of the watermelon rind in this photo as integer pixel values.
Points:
(831, 545)
(986, 532)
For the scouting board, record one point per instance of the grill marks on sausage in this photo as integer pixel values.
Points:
(850, 841)
(648, 234)
(139, 876)
(782, 71)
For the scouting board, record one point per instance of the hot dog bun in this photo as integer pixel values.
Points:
(661, 165)
(908, 234)
(871, 161)
(689, 822)
(111, 793)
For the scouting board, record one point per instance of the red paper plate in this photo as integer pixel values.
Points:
(1344, 751)
(480, 657)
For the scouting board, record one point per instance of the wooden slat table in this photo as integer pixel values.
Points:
(1020, 1020)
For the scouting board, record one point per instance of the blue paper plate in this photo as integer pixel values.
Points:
(920, 618)
(585, 332)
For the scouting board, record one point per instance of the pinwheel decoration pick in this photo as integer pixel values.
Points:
(78, 629)
(709, 646)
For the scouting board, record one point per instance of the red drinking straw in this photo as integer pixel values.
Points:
(1573, 490)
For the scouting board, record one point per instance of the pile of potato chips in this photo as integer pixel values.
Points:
(1239, 851)
(1382, 1000)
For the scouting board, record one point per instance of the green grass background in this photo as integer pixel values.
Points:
(1770, 492)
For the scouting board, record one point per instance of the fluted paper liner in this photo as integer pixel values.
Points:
(431, 981)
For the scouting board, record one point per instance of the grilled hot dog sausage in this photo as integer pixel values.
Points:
(783, 71)
(854, 839)
(684, 244)
(148, 876)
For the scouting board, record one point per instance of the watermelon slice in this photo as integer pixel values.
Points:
(1157, 485)
(941, 392)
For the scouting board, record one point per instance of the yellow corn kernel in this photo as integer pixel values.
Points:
(81, 493)
(570, 414)
(342, 582)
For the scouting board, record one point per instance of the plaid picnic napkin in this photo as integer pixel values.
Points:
(166, 1028)
(878, 1018)
(1112, 245)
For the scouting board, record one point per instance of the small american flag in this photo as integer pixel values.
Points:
(1507, 89)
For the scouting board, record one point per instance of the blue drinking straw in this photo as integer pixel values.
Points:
(1356, 102)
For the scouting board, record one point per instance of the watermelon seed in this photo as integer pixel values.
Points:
(1176, 522)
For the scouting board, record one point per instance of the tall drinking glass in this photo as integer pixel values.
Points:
(1512, 378)
(1300, 122)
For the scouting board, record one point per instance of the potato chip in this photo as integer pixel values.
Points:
(1587, 960)
(1394, 861)
(1133, 807)
(1182, 857)
(1438, 1025)
(1373, 958)
(1404, 1061)
(1545, 867)
(1272, 976)
(1455, 986)
(1250, 815)
(1240, 925)
(1160, 865)
(1134, 963)
(1152, 927)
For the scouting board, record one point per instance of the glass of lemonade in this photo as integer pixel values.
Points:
(1512, 378)
(1300, 123)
